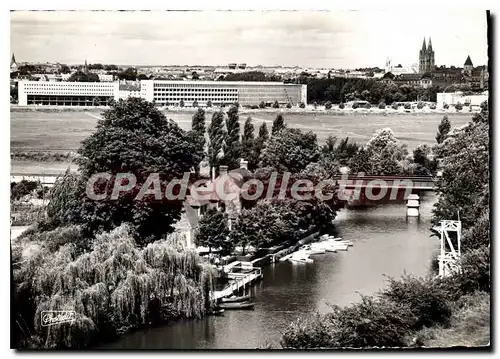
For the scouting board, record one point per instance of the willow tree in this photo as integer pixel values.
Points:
(112, 288)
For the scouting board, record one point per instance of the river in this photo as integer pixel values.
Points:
(386, 244)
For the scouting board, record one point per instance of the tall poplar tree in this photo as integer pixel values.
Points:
(216, 135)
(232, 145)
(248, 144)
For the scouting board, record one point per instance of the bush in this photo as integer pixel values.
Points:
(446, 106)
(458, 106)
(302, 105)
(262, 105)
(433, 106)
(23, 188)
(195, 103)
(428, 301)
(420, 105)
(355, 105)
(395, 106)
(382, 105)
(209, 103)
(368, 106)
(407, 106)
(341, 106)
(328, 105)
(181, 103)
(276, 104)
(237, 104)
(289, 105)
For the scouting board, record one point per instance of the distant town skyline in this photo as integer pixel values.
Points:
(321, 39)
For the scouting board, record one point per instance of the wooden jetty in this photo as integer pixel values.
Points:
(239, 280)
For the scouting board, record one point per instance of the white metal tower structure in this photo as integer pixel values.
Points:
(449, 258)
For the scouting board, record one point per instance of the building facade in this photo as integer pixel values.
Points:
(426, 58)
(164, 93)
(66, 93)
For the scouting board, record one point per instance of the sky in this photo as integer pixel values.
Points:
(321, 39)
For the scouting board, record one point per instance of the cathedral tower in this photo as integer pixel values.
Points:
(426, 58)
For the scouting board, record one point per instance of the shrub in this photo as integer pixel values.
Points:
(23, 188)
(458, 106)
(289, 105)
(209, 103)
(382, 105)
(446, 106)
(181, 103)
(427, 300)
(302, 105)
(328, 105)
(262, 104)
(420, 105)
(237, 104)
(395, 106)
(433, 106)
(407, 106)
(276, 104)
(368, 106)
(355, 105)
(341, 106)
(195, 103)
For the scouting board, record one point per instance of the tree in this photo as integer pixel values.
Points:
(278, 124)
(209, 103)
(181, 103)
(292, 151)
(195, 76)
(381, 105)
(458, 106)
(213, 231)
(262, 104)
(248, 144)
(195, 103)
(130, 74)
(232, 145)
(443, 129)
(276, 104)
(96, 101)
(289, 105)
(302, 105)
(64, 69)
(198, 134)
(355, 105)
(153, 145)
(260, 142)
(216, 134)
(80, 76)
(328, 105)
(341, 106)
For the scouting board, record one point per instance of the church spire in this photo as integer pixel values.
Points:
(430, 45)
(13, 60)
(85, 68)
(424, 47)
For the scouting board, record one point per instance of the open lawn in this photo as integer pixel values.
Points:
(64, 131)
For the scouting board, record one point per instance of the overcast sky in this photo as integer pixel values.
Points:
(333, 39)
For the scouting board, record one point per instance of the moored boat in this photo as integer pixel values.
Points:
(236, 305)
(219, 311)
(235, 299)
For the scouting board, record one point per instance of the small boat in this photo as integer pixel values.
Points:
(218, 311)
(313, 249)
(340, 247)
(301, 260)
(235, 299)
(237, 305)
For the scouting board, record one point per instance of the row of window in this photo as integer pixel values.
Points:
(195, 90)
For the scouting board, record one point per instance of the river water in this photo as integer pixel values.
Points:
(386, 244)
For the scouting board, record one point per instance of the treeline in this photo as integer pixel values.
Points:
(252, 76)
(340, 90)
(400, 315)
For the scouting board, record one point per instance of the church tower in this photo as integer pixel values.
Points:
(426, 58)
(422, 58)
(430, 54)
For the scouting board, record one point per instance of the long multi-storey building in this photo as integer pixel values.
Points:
(162, 92)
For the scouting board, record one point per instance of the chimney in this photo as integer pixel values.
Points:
(222, 170)
(243, 164)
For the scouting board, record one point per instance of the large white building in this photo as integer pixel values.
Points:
(163, 92)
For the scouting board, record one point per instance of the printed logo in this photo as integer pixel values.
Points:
(52, 317)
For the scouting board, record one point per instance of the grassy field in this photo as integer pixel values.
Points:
(64, 131)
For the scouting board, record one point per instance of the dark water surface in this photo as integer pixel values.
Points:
(386, 243)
